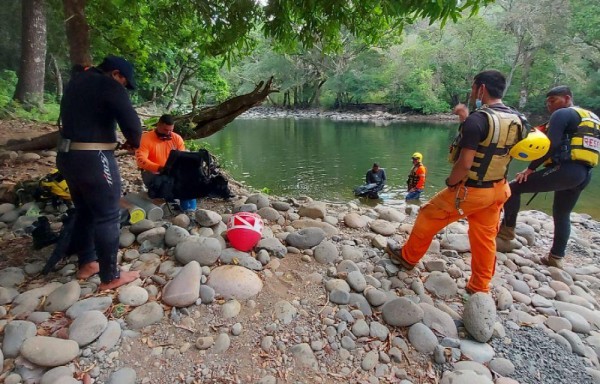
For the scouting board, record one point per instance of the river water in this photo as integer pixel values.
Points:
(326, 159)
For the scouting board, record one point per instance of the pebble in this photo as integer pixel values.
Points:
(284, 312)
(144, 315)
(204, 342)
(369, 361)
(304, 357)
(124, 375)
(222, 343)
(480, 352)
(133, 295)
(231, 309)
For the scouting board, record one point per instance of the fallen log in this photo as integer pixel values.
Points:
(206, 121)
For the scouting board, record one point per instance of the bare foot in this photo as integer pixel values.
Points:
(88, 270)
(126, 277)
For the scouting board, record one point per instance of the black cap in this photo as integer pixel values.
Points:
(111, 63)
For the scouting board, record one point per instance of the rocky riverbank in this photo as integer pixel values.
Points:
(377, 117)
(317, 301)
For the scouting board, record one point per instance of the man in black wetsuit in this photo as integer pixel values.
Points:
(95, 100)
(574, 134)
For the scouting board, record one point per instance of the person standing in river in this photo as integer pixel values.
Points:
(95, 100)
(574, 135)
(476, 188)
(416, 178)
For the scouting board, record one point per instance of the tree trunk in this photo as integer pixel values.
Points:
(32, 67)
(78, 32)
(178, 84)
(57, 78)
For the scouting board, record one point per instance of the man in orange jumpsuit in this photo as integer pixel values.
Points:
(477, 187)
(416, 178)
(154, 150)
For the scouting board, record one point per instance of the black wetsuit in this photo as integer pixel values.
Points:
(566, 178)
(91, 106)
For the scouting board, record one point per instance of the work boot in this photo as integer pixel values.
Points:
(552, 261)
(395, 253)
(506, 233)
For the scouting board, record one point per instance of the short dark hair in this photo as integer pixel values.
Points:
(561, 90)
(167, 119)
(375, 165)
(494, 81)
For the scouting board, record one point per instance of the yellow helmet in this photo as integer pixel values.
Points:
(417, 155)
(534, 146)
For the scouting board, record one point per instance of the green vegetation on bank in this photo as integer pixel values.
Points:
(390, 54)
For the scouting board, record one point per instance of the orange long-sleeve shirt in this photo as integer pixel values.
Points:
(154, 152)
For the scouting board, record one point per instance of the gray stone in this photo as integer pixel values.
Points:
(281, 206)
(11, 277)
(284, 311)
(574, 340)
(204, 342)
(7, 295)
(184, 289)
(314, 210)
(15, 333)
(501, 366)
(560, 275)
(578, 323)
(358, 300)
(347, 266)
(87, 327)
(339, 297)
(245, 208)
(204, 250)
(303, 357)
(504, 298)
(352, 253)
(422, 338)
(480, 352)
(360, 328)
(133, 295)
(126, 238)
(356, 281)
(370, 360)
(154, 236)
(110, 337)
(124, 375)
(232, 281)
(231, 309)
(90, 304)
(383, 227)
(259, 199)
(144, 315)
(474, 366)
(268, 213)
(182, 220)
(49, 351)
(175, 235)
(326, 252)
(329, 229)
(438, 320)
(390, 214)
(378, 331)
(233, 256)
(464, 377)
(273, 246)
(55, 375)
(375, 297)
(456, 242)
(63, 297)
(354, 220)
(401, 312)
(206, 218)
(305, 238)
(441, 285)
(556, 323)
(222, 343)
(479, 316)
(340, 284)
(207, 294)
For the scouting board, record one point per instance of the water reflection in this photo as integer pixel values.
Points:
(327, 159)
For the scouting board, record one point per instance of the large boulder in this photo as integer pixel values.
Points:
(232, 281)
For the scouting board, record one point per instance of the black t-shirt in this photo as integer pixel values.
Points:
(476, 127)
(92, 105)
(562, 121)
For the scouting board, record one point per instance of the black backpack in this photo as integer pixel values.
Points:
(189, 175)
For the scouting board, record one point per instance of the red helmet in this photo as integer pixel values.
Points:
(244, 230)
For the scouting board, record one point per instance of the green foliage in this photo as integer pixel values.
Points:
(12, 109)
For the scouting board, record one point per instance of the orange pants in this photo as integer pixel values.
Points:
(481, 207)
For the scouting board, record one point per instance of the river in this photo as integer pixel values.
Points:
(326, 159)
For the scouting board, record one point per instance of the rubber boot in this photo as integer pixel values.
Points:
(552, 261)
(506, 233)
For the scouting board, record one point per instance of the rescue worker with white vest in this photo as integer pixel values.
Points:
(477, 186)
(574, 135)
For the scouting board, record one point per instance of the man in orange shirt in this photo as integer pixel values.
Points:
(416, 177)
(154, 150)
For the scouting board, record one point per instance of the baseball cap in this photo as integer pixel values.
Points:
(111, 63)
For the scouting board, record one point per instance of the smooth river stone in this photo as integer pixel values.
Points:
(87, 327)
(63, 297)
(232, 281)
(49, 351)
(184, 289)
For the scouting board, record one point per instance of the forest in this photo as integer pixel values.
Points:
(321, 54)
